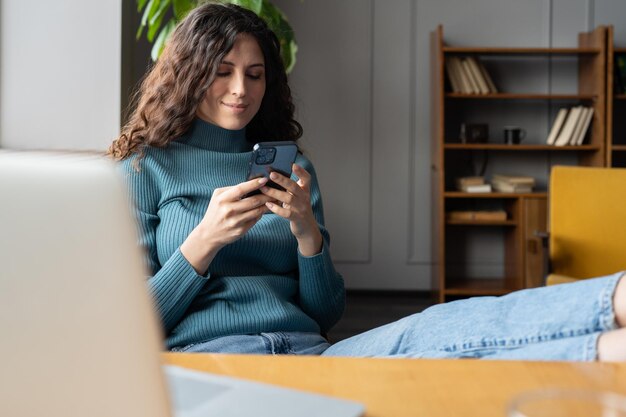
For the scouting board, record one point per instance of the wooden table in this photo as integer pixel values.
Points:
(412, 387)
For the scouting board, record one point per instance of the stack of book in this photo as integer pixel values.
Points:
(472, 185)
(512, 183)
(480, 215)
(468, 75)
(570, 126)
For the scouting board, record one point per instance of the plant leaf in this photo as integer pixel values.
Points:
(289, 56)
(155, 22)
(182, 7)
(254, 5)
(149, 11)
(278, 23)
(159, 44)
(140, 4)
(146, 13)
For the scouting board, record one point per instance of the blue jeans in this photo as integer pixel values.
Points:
(560, 322)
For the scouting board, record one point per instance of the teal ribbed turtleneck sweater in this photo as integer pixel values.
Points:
(259, 283)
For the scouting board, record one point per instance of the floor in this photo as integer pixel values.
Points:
(366, 310)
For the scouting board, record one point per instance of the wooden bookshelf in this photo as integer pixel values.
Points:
(522, 263)
(615, 105)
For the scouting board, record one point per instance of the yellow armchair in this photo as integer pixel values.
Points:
(587, 221)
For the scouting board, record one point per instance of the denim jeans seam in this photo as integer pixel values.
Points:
(590, 350)
(269, 343)
(183, 348)
(516, 342)
(606, 316)
(289, 347)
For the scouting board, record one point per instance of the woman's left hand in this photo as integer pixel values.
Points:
(294, 204)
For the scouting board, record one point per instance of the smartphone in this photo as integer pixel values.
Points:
(271, 156)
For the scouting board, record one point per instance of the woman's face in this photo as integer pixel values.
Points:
(235, 95)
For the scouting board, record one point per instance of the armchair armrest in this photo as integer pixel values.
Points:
(544, 237)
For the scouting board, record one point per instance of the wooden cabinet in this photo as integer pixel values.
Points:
(459, 246)
(616, 107)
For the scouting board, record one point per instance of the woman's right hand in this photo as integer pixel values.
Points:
(228, 217)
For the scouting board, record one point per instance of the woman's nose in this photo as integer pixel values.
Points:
(238, 85)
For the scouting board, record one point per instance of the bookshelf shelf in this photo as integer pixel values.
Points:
(518, 148)
(481, 223)
(459, 194)
(456, 271)
(519, 51)
(619, 148)
(620, 96)
(525, 96)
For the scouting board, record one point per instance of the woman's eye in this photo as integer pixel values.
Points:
(223, 74)
(255, 76)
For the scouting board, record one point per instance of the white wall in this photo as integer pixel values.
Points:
(59, 74)
(362, 86)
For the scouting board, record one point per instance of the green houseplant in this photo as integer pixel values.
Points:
(160, 17)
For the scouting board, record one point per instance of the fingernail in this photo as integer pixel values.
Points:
(274, 176)
(262, 180)
(264, 189)
(269, 205)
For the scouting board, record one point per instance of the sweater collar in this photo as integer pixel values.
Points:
(207, 136)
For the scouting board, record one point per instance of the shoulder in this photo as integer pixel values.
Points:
(152, 160)
(305, 163)
(145, 171)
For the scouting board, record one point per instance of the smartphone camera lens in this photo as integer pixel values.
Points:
(265, 156)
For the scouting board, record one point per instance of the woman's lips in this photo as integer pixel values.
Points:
(236, 108)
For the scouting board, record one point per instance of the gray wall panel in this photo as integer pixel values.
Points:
(332, 87)
(611, 12)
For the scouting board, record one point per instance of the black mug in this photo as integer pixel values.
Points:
(513, 135)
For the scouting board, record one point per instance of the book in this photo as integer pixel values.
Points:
(490, 83)
(465, 181)
(579, 126)
(478, 76)
(481, 215)
(478, 188)
(453, 75)
(474, 184)
(569, 126)
(515, 179)
(556, 126)
(470, 76)
(457, 68)
(505, 187)
(582, 133)
(512, 183)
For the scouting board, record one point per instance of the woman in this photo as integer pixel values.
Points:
(254, 274)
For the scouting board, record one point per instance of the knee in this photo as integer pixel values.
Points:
(619, 302)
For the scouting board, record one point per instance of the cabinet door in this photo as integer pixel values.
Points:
(535, 257)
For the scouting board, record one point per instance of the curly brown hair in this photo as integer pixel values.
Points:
(169, 95)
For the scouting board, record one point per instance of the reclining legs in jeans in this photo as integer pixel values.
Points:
(579, 321)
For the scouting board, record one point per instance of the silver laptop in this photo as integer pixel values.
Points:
(78, 335)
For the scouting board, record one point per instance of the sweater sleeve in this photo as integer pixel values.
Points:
(322, 291)
(173, 284)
